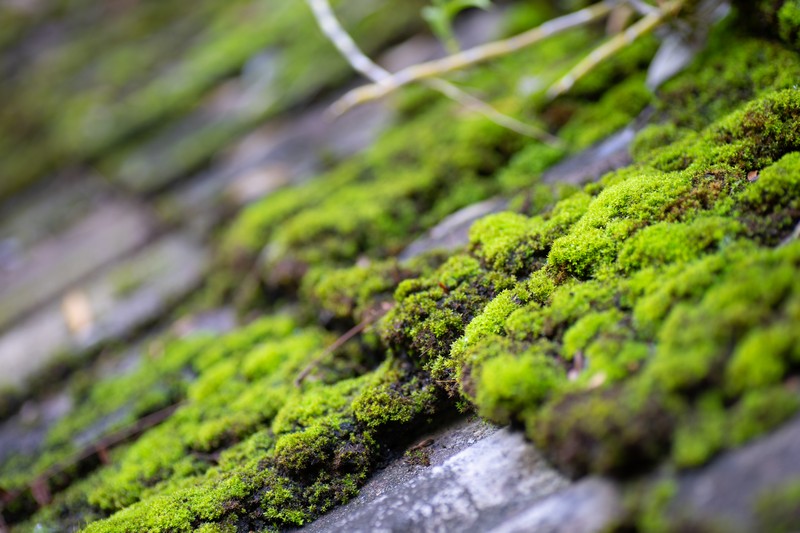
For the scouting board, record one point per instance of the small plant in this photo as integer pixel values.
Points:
(440, 16)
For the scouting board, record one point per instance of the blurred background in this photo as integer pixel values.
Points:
(130, 129)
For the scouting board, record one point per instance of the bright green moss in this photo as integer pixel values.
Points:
(351, 293)
(702, 434)
(654, 136)
(433, 312)
(490, 321)
(669, 243)
(733, 69)
(615, 110)
(394, 396)
(762, 358)
(512, 385)
(495, 237)
(789, 23)
(761, 410)
(578, 337)
(644, 319)
(527, 165)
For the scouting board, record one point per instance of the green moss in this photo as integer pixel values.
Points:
(515, 384)
(761, 410)
(352, 293)
(645, 319)
(777, 508)
(702, 434)
(789, 23)
(618, 432)
(395, 396)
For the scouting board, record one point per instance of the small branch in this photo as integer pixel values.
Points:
(331, 27)
(642, 27)
(40, 486)
(380, 77)
(473, 56)
(341, 341)
(479, 106)
(642, 7)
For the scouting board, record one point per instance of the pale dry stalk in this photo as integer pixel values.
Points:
(472, 56)
(380, 77)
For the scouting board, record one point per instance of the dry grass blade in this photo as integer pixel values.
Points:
(473, 56)
(370, 318)
(608, 49)
(334, 31)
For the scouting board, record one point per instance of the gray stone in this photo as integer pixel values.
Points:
(453, 232)
(479, 475)
(726, 490)
(24, 433)
(590, 165)
(112, 305)
(587, 507)
(36, 275)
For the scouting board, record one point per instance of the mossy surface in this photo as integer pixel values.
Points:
(647, 318)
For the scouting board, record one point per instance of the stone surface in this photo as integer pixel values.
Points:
(112, 305)
(478, 475)
(32, 276)
(453, 232)
(24, 432)
(590, 164)
(726, 490)
(586, 507)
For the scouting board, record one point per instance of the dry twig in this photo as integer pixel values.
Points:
(472, 56)
(619, 41)
(341, 341)
(380, 77)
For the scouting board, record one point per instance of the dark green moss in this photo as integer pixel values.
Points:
(778, 509)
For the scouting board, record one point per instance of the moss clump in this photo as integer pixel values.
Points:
(789, 23)
(516, 384)
(778, 510)
(647, 318)
(650, 293)
(353, 293)
(432, 312)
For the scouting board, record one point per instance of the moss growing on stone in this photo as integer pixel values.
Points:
(648, 318)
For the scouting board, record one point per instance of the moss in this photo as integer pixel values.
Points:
(654, 504)
(761, 410)
(394, 397)
(615, 110)
(645, 319)
(619, 432)
(702, 434)
(789, 23)
(777, 508)
(351, 294)
(667, 243)
(516, 384)
(733, 69)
